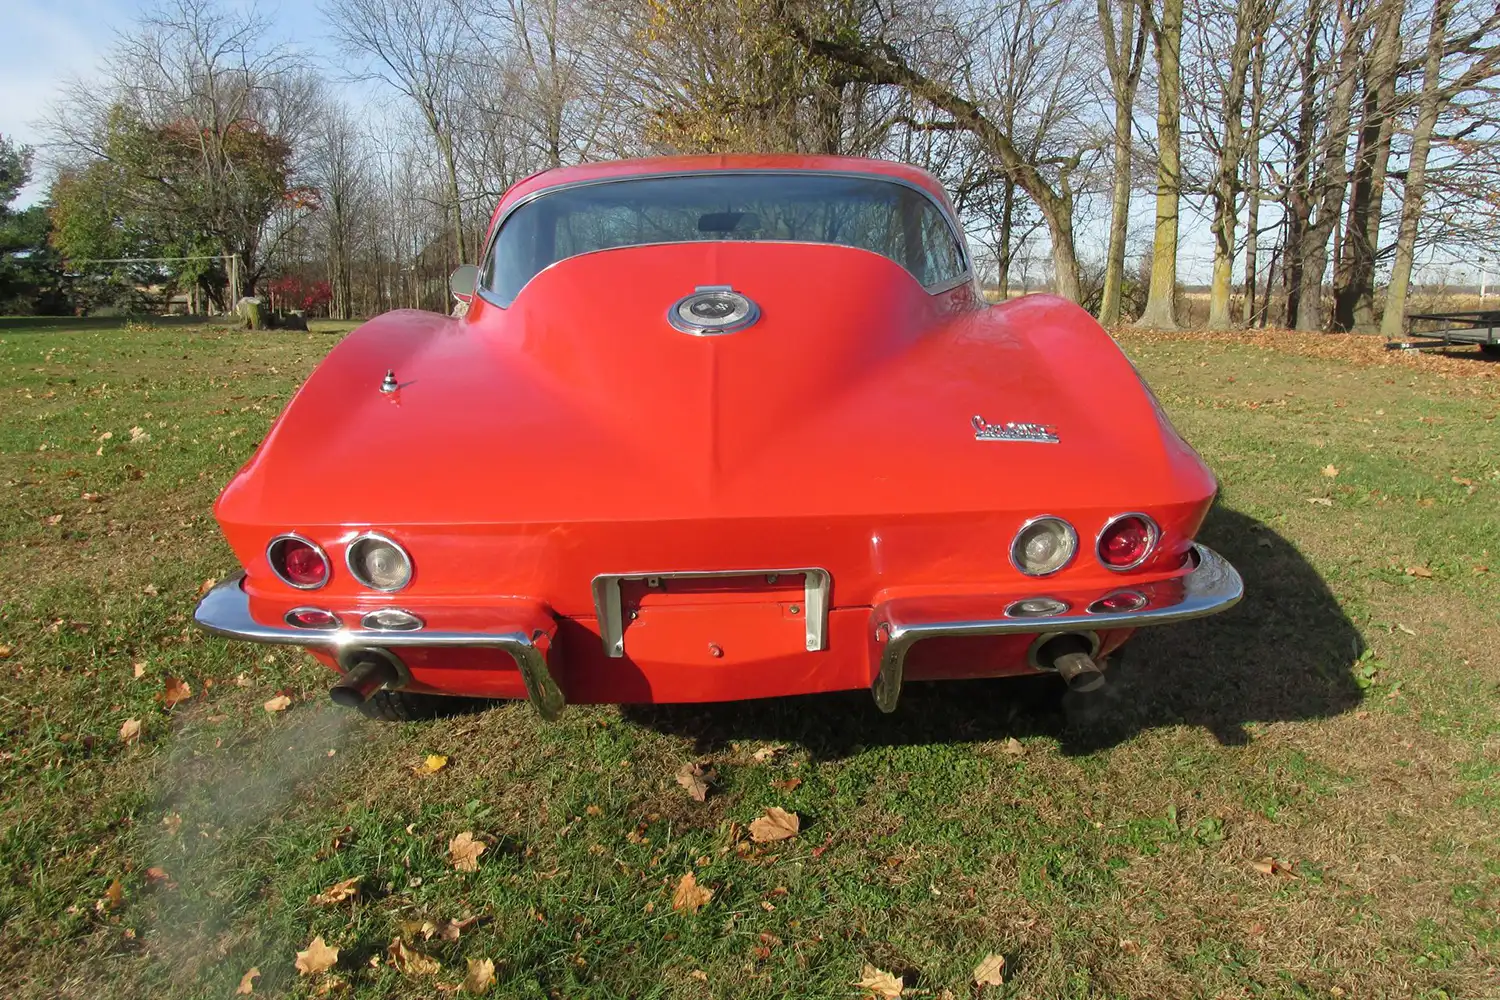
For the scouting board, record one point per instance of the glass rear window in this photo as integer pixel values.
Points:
(888, 218)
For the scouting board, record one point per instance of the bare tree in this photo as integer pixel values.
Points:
(1124, 57)
(1161, 299)
(416, 46)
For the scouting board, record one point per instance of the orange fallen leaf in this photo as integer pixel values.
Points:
(337, 893)
(446, 930)
(114, 898)
(1330, 470)
(247, 982)
(409, 962)
(690, 897)
(695, 778)
(5, 652)
(788, 785)
(317, 957)
(130, 730)
(481, 976)
(464, 852)
(156, 875)
(991, 971)
(775, 824)
(174, 690)
(1270, 866)
(278, 703)
(880, 983)
(206, 586)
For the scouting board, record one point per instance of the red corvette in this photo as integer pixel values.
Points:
(712, 428)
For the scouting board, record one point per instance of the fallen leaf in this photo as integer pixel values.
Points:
(788, 785)
(464, 852)
(241, 681)
(411, 963)
(699, 975)
(991, 971)
(138, 435)
(139, 670)
(130, 730)
(206, 586)
(113, 898)
(1330, 470)
(481, 976)
(1422, 572)
(174, 690)
(766, 753)
(150, 590)
(278, 703)
(695, 779)
(173, 823)
(690, 896)
(1403, 628)
(447, 930)
(247, 982)
(1320, 501)
(434, 763)
(1014, 747)
(317, 957)
(337, 893)
(91, 497)
(880, 983)
(775, 824)
(1270, 866)
(54, 519)
(5, 652)
(156, 875)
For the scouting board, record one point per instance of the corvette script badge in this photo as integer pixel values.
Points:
(1013, 431)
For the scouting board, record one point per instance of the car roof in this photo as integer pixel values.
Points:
(650, 166)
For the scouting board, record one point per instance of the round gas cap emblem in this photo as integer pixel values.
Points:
(711, 310)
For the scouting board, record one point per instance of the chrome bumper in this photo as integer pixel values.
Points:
(1212, 586)
(225, 611)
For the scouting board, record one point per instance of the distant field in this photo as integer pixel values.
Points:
(1298, 799)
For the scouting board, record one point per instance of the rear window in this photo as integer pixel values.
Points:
(886, 217)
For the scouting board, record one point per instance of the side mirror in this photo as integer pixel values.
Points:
(463, 281)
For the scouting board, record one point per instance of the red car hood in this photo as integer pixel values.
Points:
(855, 393)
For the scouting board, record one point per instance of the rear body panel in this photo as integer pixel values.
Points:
(528, 450)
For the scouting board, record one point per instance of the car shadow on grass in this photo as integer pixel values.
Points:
(1284, 653)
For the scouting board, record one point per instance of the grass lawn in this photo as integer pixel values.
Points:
(1340, 722)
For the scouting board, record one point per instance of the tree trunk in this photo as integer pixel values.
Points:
(1161, 300)
(1354, 278)
(1393, 322)
(1332, 179)
(1299, 186)
(1124, 62)
(1231, 149)
(1007, 212)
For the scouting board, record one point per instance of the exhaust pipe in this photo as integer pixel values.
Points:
(1071, 655)
(365, 672)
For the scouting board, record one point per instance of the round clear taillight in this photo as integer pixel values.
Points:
(298, 562)
(1127, 541)
(378, 562)
(1043, 546)
(313, 618)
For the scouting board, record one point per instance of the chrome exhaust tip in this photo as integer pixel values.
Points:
(366, 670)
(1071, 656)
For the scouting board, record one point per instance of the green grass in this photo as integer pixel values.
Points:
(1340, 721)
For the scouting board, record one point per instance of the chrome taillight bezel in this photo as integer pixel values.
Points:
(1032, 522)
(274, 563)
(336, 623)
(376, 536)
(370, 621)
(1153, 537)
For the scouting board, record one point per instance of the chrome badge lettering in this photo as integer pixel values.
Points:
(1013, 431)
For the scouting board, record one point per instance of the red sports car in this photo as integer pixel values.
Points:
(711, 428)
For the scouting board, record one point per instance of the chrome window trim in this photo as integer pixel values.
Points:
(379, 537)
(1153, 531)
(965, 275)
(611, 618)
(338, 622)
(1028, 523)
(292, 536)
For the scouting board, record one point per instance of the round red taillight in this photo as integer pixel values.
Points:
(1127, 541)
(298, 562)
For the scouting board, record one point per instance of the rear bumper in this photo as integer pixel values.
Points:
(529, 633)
